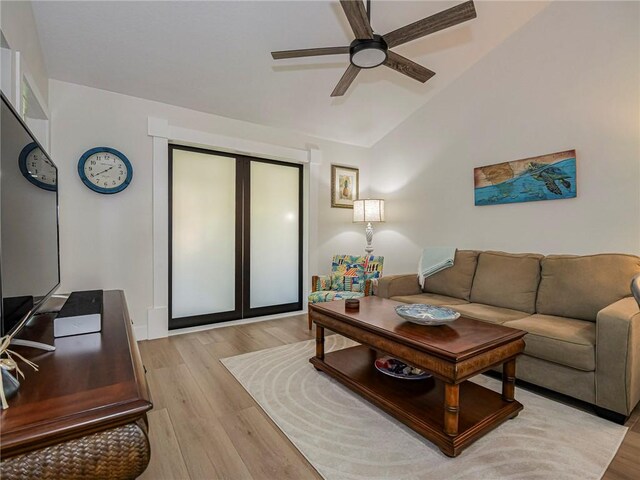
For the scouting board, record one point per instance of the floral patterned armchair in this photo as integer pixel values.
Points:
(352, 276)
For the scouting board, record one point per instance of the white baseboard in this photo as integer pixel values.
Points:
(157, 322)
(140, 332)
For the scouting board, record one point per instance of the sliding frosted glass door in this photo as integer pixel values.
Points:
(274, 245)
(235, 249)
(204, 243)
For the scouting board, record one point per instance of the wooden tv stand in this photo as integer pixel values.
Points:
(89, 394)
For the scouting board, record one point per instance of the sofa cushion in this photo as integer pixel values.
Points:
(429, 298)
(330, 295)
(581, 286)
(342, 263)
(507, 280)
(337, 282)
(454, 281)
(372, 266)
(570, 381)
(566, 341)
(488, 313)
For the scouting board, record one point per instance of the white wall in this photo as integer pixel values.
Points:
(568, 79)
(19, 28)
(106, 241)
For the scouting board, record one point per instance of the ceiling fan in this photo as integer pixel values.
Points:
(370, 50)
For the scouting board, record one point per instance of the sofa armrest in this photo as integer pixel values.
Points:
(618, 356)
(394, 285)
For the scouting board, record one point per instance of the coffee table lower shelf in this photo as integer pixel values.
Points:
(419, 404)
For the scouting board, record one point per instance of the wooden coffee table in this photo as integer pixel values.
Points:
(446, 408)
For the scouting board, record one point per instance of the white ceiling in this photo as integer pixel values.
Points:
(215, 57)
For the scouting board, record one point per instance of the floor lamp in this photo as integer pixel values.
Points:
(368, 210)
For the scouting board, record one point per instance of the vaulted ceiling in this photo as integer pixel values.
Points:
(215, 57)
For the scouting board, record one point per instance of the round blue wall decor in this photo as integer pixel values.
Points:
(105, 170)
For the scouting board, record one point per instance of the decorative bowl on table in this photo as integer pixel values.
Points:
(398, 369)
(424, 314)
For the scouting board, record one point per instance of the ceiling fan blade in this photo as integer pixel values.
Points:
(407, 67)
(357, 16)
(309, 52)
(445, 19)
(347, 78)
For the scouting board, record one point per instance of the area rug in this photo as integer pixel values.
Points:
(345, 437)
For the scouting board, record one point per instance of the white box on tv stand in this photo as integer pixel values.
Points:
(64, 327)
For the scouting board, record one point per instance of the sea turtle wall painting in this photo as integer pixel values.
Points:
(548, 177)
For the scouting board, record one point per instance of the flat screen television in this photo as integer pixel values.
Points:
(29, 239)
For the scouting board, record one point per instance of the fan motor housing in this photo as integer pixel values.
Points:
(368, 52)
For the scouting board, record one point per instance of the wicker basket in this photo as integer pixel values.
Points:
(119, 453)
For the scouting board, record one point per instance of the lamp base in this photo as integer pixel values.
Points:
(369, 234)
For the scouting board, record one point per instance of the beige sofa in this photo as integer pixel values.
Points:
(583, 323)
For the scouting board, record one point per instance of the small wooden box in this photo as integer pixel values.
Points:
(352, 304)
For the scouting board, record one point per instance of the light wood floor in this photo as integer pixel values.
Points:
(204, 425)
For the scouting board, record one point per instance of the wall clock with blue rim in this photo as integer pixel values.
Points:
(105, 170)
(37, 168)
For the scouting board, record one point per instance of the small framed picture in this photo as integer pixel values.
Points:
(345, 185)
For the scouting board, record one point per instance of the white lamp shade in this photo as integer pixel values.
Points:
(369, 210)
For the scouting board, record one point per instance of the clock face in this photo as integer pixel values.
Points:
(37, 168)
(105, 170)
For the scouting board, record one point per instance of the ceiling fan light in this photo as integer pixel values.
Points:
(368, 53)
(369, 58)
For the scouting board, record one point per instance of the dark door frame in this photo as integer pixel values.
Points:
(242, 262)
